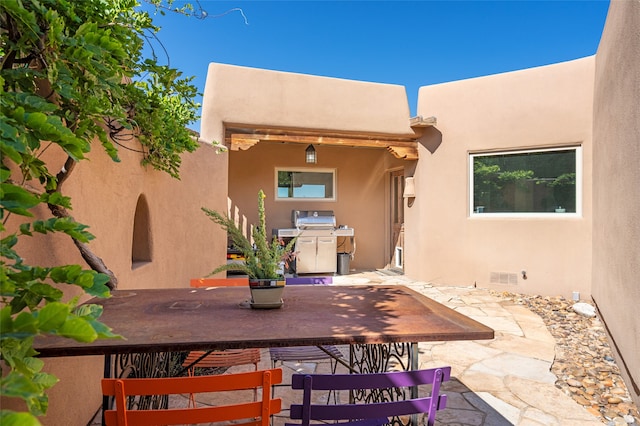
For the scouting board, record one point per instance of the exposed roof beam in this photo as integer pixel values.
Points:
(420, 121)
(245, 141)
(242, 142)
(403, 152)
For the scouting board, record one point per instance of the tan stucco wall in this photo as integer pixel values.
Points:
(104, 195)
(183, 239)
(539, 107)
(616, 194)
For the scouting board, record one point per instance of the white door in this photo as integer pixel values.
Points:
(397, 220)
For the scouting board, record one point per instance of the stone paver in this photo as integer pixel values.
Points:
(505, 381)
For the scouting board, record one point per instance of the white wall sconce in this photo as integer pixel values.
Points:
(409, 188)
(310, 155)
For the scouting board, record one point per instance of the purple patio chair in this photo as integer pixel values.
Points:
(374, 413)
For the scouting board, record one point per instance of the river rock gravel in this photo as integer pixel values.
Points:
(584, 363)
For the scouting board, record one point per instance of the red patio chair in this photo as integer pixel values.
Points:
(253, 413)
(373, 413)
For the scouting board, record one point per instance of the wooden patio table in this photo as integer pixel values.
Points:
(389, 318)
(183, 319)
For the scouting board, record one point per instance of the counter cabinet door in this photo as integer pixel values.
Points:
(327, 258)
(306, 250)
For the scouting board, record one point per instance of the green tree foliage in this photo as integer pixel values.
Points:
(72, 75)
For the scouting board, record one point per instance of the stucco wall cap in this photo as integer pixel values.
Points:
(519, 79)
(236, 94)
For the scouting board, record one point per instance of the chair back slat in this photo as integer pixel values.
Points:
(197, 415)
(219, 282)
(262, 409)
(382, 421)
(226, 358)
(370, 380)
(361, 411)
(378, 411)
(197, 384)
(304, 353)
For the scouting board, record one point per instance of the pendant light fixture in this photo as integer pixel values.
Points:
(310, 155)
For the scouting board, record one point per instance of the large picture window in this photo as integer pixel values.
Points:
(305, 184)
(537, 181)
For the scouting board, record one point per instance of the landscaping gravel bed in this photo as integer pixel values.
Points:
(584, 363)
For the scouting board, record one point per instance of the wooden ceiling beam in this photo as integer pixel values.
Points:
(245, 141)
(403, 152)
(242, 144)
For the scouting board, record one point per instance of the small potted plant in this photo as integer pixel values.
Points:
(263, 258)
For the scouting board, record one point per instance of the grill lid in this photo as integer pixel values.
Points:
(313, 219)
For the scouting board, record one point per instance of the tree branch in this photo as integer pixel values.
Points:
(95, 262)
(65, 172)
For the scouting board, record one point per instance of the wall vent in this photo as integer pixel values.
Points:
(503, 278)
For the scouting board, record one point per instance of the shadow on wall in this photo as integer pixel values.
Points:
(431, 139)
(240, 219)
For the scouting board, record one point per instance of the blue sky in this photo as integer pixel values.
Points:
(410, 43)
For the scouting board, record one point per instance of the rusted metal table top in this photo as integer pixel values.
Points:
(181, 319)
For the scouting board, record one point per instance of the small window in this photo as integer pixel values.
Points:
(540, 181)
(305, 184)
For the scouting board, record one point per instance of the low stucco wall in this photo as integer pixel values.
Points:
(184, 241)
(185, 245)
(616, 157)
(540, 107)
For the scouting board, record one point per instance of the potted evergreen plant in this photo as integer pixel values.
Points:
(263, 258)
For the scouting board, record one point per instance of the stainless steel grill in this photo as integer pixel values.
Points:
(317, 235)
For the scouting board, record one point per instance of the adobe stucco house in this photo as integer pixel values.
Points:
(586, 111)
(359, 130)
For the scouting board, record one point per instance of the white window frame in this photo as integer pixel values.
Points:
(334, 180)
(550, 215)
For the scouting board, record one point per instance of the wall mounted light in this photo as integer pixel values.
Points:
(310, 155)
(409, 188)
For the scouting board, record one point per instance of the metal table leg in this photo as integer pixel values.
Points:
(380, 358)
(153, 364)
(106, 403)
